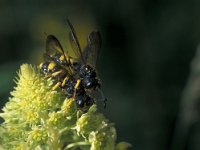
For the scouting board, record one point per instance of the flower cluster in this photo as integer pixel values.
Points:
(37, 118)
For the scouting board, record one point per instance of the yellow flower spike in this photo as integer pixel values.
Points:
(55, 119)
(67, 105)
(38, 136)
(35, 117)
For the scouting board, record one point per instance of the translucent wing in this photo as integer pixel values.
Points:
(92, 50)
(53, 45)
(75, 43)
(47, 58)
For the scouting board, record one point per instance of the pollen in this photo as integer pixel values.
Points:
(38, 136)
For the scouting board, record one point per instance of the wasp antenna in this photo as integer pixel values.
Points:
(67, 22)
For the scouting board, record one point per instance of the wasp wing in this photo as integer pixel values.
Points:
(53, 46)
(47, 58)
(75, 42)
(92, 50)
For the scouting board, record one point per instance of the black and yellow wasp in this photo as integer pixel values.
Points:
(75, 76)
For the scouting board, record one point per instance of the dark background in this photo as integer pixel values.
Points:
(144, 66)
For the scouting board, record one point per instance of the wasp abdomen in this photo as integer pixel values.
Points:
(60, 59)
(84, 100)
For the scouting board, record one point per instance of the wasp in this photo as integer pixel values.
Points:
(85, 66)
(75, 76)
(57, 65)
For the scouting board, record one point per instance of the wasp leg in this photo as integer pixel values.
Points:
(56, 73)
(72, 99)
(62, 84)
(64, 81)
(69, 103)
(56, 86)
(76, 86)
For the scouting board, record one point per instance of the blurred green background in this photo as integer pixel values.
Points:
(144, 66)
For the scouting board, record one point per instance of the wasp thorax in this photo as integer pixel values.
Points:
(87, 71)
